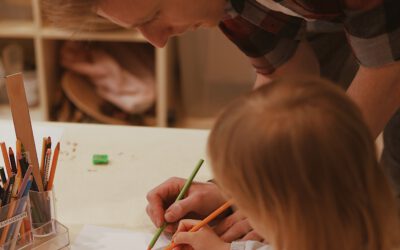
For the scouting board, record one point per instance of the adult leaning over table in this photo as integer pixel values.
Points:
(273, 35)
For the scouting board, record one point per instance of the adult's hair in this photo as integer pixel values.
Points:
(76, 15)
(296, 156)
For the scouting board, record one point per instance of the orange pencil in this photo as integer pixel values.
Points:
(18, 147)
(53, 168)
(6, 160)
(204, 222)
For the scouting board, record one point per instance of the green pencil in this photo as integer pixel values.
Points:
(180, 197)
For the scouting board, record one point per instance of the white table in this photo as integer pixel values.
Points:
(114, 195)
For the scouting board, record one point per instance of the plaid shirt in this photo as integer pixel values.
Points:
(270, 38)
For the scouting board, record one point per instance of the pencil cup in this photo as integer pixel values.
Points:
(15, 224)
(43, 213)
(56, 241)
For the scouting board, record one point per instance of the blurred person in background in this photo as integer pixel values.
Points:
(353, 42)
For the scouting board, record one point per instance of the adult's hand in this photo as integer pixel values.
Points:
(200, 201)
(236, 227)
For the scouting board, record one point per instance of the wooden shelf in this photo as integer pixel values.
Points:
(123, 35)
(46, 41)
(17, 29)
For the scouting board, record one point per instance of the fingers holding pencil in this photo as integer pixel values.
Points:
(204, 238)
(182, 193)
(194, 226)
(184, 239)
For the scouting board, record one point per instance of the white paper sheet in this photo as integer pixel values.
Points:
(7, 135)
(103, 238)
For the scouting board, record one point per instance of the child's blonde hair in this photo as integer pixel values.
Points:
(297, 157)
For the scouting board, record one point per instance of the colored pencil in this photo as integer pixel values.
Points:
(204, 222)
(10, 213)
(48, 144)
(6, 160)
(25, 160)
(24, 182)
(21, 166)
(3, 176)
(15, 187)
(46, 167)
(15, 229)
(20, 163)
(4, 192)
(13, 162)
(7, 192)
(180, 197)
(44, 142)
(16, 206)
(18, 182)
(20, 190)
(19, 156)
(1, 193)
(53, 168)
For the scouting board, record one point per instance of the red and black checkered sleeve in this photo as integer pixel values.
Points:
(374, 35)
(267, 37)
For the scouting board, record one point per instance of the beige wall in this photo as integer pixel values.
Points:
(213, 72)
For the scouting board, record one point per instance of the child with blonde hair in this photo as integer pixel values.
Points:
(298, 160)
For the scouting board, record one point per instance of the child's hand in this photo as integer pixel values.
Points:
(204, 239)
(236, 227)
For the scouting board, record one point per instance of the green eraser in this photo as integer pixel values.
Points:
(100, 159)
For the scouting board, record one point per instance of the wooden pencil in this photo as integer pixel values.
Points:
(46, 163)
(24, 182)
(7, 192)
(21, 207)
(6, 159)
(12, 196)
(20, 163)
(19, 156)
(204, 222)
(46, 167)
(48, 145)
(53, 168)
(12, 161)
(14, 191)
(3, 196)
(42, 158)
(25, 160)
(3, 176)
